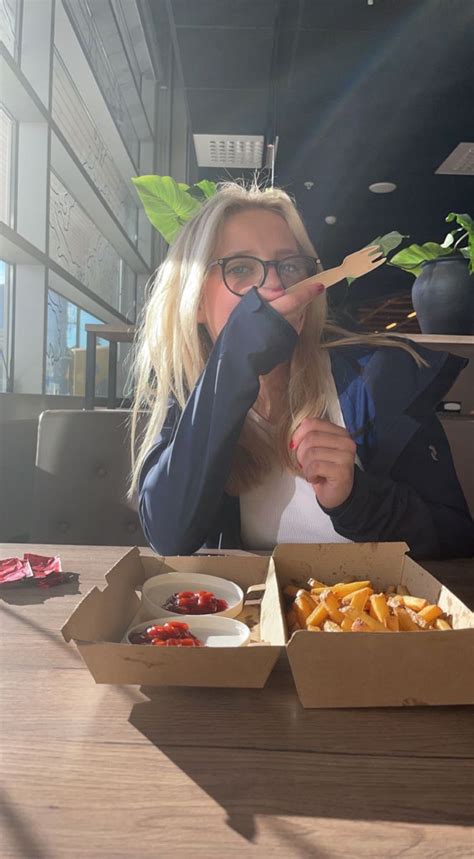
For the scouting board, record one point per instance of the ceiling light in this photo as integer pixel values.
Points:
(411, 315)
(330, 219)
(382, 187)
(460, 162)
(392, 325)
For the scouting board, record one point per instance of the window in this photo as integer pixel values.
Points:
(66, 349)
(128, 286)
(8, 19)
(82, 14)
(78, 246)
(76, 243)
(6, 145)
(5, 303)
(75, 122)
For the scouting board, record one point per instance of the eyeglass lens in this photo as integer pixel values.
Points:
(242, 273)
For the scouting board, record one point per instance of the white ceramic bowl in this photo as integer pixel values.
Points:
(157, 590)
(213, 630)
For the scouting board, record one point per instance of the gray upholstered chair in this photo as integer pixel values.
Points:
(81, 479)
(82, 472)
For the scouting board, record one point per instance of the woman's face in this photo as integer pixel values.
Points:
(253, 232)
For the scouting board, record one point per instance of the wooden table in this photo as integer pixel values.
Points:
(96, 771)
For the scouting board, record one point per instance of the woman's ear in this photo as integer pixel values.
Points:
(201, 316)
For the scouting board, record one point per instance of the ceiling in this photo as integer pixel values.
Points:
(356, 94)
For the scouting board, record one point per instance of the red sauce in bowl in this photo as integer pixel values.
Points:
(195, 602)
(175, 633)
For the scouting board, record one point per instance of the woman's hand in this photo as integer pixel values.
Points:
(325, 453)
(293, 304)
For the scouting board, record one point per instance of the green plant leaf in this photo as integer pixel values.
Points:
(167, 203)
(467, 224)
(449, 240)
(203, 190)
(410, 259)
(386, 243)
(464, 221)
(468, 253)
(208, 188)
(389, 241)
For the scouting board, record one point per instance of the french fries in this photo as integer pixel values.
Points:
(303, 607)
(358, 599)
(330, 626)
(341, 590)
(318, 616)
(356, 607)
(414, 603)
(379, 608)
(431, 612)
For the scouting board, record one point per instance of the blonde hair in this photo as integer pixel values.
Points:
(172, 348)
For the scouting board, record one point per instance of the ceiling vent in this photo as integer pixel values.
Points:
(460, 162)
(229, 150)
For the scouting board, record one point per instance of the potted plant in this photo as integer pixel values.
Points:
(169, 204)
(443, 292)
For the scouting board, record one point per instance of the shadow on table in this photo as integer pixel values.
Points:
(20, 831)
(34, 594)
(258, 752)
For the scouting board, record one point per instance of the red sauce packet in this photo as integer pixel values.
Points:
(41, 570)
(42, 565)
(14, 570)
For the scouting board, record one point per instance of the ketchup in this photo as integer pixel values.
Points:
(195, 602)
(175, 633)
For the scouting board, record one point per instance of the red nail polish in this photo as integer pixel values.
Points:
(292, 445)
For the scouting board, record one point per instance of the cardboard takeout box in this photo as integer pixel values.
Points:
(100, 621)
(370, 669)
(330, 670)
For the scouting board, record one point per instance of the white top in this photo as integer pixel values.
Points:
(283, 507)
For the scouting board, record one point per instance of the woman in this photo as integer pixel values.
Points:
(267, 424)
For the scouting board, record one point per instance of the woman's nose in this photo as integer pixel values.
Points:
(273, 280)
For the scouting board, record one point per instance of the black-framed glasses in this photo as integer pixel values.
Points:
(241, 273)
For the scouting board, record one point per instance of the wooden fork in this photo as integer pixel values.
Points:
(354, 265)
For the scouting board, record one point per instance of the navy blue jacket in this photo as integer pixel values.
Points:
(407, 491)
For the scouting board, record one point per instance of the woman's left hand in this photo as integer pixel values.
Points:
(325, 453)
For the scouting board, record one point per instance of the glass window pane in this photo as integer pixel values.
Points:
(128, 44)
(66, 349)
(74, 120)
(81, 13)
(124, 371)
(8, 19)
(5, 321)
(77, 245)
(128, 282)
(6, 139)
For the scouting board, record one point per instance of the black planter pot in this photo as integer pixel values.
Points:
(443, 297)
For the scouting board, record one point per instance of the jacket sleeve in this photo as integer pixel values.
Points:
(183, 478)
(420, 502)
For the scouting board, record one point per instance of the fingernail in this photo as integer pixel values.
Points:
(320, 288)
(291, 445)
